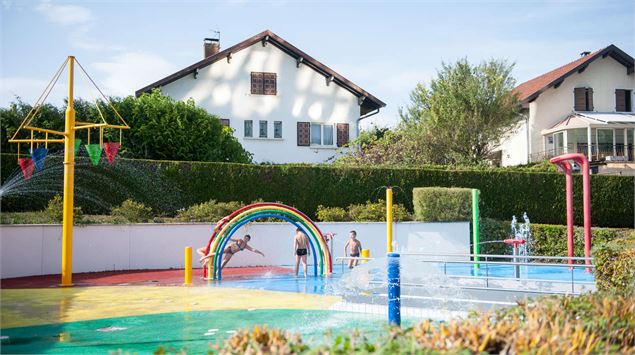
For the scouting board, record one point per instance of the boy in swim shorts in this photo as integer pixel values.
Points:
(356, 248)
(300, 250)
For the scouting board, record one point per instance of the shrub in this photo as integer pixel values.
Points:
(615, 264)
(332, 214)
(210, 211)
(552, 239)
(376, 212)
(366, 212)
(493, 232)
(54, 211)
(548, 239)
(132, 212)
(591, 323)
(261, 340)
(441, 204)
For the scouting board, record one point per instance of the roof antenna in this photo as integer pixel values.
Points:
(211, 46)
(216, 36)
(583, 54)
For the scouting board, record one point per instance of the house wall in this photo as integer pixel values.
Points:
(604, 75)
(36, 249)
(224, 89)
(514, 147)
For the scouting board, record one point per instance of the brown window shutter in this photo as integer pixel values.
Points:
(270, 85)
(257, 83)
(304, 134)
(589, 99)
(224, 122)
(620, 100)
(579, 99)
(342, 134)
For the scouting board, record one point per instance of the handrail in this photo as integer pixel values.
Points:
(581, 258)
(499, 278)
(341, 258)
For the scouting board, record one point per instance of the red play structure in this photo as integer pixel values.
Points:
(563, 162)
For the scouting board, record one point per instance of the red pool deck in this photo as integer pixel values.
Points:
(137, 277)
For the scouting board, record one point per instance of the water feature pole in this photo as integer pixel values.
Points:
(476, 236)
(69, 183)
(389, 219)
(188, 266)
(583, 162)
(394, 289)
(68, 138)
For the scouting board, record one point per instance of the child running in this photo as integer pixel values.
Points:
(356, 248)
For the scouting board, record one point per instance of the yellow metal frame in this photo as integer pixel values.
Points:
(68, 138)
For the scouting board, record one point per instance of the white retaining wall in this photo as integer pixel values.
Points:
(36, 249)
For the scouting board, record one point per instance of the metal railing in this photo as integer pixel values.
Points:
(599, 152)
(484, 266)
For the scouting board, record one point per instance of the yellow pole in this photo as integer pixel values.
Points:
(365, 254)
(188, 266)
(389, 220)
(69, 183)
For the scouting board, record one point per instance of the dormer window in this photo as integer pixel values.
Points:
(264, 83)
(583, 99)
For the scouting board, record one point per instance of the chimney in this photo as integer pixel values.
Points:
(211, 46)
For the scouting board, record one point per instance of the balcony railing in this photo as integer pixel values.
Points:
(599, 152)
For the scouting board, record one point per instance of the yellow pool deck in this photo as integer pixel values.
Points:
(38, 306)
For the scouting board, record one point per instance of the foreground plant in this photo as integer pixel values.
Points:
(587, 324)
(261, 340)
(552, 325)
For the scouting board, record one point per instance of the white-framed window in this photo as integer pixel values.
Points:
(327, 134)
(277, 129)
(249, 128)
(321, 134)
(263, 129)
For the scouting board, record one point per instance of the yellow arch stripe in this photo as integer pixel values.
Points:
(321, 241)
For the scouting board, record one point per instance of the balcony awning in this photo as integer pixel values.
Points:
(594, 120)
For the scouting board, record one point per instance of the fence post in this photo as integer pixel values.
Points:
(365, 254)
(188, 266)
(476, 233)
(394, 290)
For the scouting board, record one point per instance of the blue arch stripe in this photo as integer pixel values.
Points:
(235, 227)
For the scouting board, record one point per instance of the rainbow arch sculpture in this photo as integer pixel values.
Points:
(322, 264)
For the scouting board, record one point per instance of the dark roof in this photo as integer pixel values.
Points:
(530, 90)
(369, 104)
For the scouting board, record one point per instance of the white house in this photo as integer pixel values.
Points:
(585, 106)
(284, 105)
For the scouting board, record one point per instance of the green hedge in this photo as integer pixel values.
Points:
(615, 264)
(552, 239)
(442, 204)
(169, 186)
(362, 212)
(548, 239)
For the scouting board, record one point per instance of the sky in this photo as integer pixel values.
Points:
(386, 47)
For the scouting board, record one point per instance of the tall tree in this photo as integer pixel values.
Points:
(465, 112)
(160, 128)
